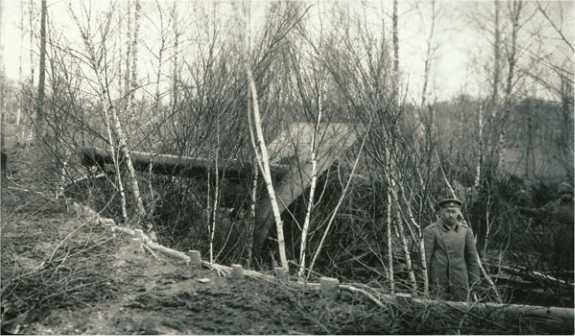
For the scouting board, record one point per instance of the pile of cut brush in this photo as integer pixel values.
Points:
(45, 269)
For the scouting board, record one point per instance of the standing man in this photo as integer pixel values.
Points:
(450, 254)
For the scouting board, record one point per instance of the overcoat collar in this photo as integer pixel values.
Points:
(446, 227)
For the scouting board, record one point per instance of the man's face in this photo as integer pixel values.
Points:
(450, 215)
(566, 196)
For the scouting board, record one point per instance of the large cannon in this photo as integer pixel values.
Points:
(175, 165)
(290, 166)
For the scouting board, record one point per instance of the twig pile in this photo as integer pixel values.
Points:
(77, 273)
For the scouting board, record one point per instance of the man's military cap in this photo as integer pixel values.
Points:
(448, 202)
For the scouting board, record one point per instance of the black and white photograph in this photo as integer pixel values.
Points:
(287, 167)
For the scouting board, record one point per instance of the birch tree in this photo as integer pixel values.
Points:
(20, 111)
(175, 66)
(494, 123)
(504, 78)
(160, 57)
(134, 65)
(430, 49)
(262, 157)
(42, 73)
(122, 137)
(388, 226)
(101, 73)
(31, 27)
(313, 183)
(340, 200)
(2, 88)
(128, 42)
(395, 43)
(554, 71)
(391, 183)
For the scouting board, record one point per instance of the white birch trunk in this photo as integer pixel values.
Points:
(20, 75)
(120, 50)
(2, 83)
(122, 139)
(114, 122)
(252, 218)
(310, 203)
(124, 150)
(214, 217)
(404, 245)
(31, 30)
(39, 124)
(445, 179)
(477, 180)
(128, 50)
(63, 172)
(114, 156)
(174, 95)
(336, 209)
(496, 55)
(388, 221)
(158, 78)
(209, 203)
(134, 68)
(413, 222)
(428, 55)
(260, 146)
(395, 43)
(216, 193)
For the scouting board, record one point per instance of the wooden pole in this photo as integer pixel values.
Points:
(281, 274)
(237, 271)
(195, 258)
(329, 287)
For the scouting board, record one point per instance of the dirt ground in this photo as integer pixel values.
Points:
(148, 294)
(62, 274)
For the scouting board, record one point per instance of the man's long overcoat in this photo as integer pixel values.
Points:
(451, 258)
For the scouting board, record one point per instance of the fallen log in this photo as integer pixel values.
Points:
(540, 277)
(174, 165)
(557, 314)
(514, 280)
(557, 318)
(91, 215)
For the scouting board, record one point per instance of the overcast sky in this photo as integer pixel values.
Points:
(461, 46)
